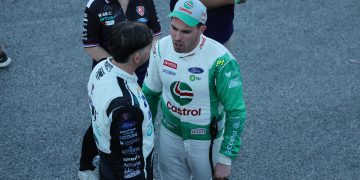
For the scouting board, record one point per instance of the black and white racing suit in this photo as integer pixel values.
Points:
(121, 121)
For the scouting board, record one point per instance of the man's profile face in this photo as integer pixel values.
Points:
(184, 37)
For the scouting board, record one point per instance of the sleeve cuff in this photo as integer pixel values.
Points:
(224, 160)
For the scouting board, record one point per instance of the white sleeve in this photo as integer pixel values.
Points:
(152, 78)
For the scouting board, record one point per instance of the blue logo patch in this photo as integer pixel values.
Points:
(142, 20)
(169, 72)
(127, 124)
(196, 70)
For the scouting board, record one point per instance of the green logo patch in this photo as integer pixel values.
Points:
(181, 92)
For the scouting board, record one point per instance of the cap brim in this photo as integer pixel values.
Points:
(190, 21)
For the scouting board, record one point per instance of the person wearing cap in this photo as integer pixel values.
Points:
(198, 83)
(220, 19)
(121, 118)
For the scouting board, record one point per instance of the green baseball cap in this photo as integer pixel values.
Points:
(191, 12)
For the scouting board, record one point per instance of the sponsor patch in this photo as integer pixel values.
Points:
(128, 124)
(228, 74)
(154, 48)
(181, 92)
(140, 10)
(231, 142)
(131, 150)
(100, 73)
(220, 62)
(109, 23)
(236, 125)
(108, 66)
(183, 111)
(142, 20)
(194, 78)
(128, 131)
(198, 131)
(234, 83)
(195, 70)
(169, 72)
(170, 64)
(130, 173)
(129, 142)
(203, 39)
(132, 164)
(129, 136)
(131, 158)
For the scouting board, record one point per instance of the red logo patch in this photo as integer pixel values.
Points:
(140, 10)
(170, 64)
(202, 42)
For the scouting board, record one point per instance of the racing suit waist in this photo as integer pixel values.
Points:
(188, 130)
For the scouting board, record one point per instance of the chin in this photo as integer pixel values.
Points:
(178, 50)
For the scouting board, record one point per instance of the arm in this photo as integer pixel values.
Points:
(97, 52)
(154, 23)
(229, 89)
(126, 139)
(92, 35)
(152, 84)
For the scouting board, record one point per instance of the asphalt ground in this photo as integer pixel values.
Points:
(300, 62)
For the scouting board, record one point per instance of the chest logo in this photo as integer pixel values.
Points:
(140, 10)
(181, 92)
(170, 64)
(196, 70)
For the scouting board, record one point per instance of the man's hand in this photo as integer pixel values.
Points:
(222, 171)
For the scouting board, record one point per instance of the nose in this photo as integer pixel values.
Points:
(177, 36)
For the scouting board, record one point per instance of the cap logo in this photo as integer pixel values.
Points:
(185, 10)
(188, 4)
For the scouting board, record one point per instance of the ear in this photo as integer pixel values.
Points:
(136, 58)
(202, 28)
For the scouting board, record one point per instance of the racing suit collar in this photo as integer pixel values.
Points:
(194, 51)
(121, 73)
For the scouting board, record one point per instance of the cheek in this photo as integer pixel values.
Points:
(189, 38)
(172, 33)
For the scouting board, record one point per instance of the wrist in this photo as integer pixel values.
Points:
(224, 160)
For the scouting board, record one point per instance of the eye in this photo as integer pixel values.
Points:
(174, 28)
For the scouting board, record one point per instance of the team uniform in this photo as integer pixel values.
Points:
(122, 123)
(101, 15)
(196, 89)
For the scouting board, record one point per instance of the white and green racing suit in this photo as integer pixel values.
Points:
(195, 88)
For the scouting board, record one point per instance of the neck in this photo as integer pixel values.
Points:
(124, 66)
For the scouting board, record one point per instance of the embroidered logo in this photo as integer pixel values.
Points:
(170, 64)
(140, 10)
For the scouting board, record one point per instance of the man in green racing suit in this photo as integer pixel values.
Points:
(199, 83)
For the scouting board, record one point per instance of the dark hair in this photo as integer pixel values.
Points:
(126, 38)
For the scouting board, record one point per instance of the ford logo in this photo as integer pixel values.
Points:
(127, 124)
(196, 70)
(141, 20)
